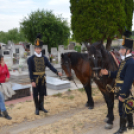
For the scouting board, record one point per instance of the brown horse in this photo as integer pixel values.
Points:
(84, 69)
(80, 64)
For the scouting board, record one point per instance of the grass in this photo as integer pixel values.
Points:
(81, 89)
(69, 90)
(28, 101)
(57, 95)
(71, 97)
(79, 124)
(56, 131)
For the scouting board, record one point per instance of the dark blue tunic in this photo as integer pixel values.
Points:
(124, 79)
(36, 66)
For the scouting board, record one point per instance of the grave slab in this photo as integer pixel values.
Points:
(57, 84)
(20, 91)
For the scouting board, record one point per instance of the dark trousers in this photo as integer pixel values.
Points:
(40, 89)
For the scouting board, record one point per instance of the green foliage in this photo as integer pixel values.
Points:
(71, 97)
(69, 90)
(81, 90)
(57, 95)
(54, 29)
(13, 35)
(94, 20)
(77, 48)
(129, 13)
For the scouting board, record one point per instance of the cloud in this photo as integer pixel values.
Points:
(13, 11)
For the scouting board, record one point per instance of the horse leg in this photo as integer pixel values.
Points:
(110, 104)
(106, 119)
(90, 101)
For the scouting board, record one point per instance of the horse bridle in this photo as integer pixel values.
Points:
(70, 67)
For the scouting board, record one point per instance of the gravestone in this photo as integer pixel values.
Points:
(19, 49)
(71, 46)
(9, 45)
(20, 91)
(57, 84)
(120, 42)
(23, 63)
(31, 50)
(61, 48)
(9, 62)
(60, 51)
(7, 53)
(54, 54)
(54, 51)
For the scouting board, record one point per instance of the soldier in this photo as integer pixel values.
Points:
(124, 79)
(37, 64)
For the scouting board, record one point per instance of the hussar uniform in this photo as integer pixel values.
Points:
(37, 64)
(124, 79)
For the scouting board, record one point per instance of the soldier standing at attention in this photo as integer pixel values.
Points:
(37, 64)
(124, 79)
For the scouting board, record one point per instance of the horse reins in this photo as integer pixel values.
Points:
(70, 67)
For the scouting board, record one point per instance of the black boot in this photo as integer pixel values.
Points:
(130, 121)
(41, 104)
(36, 102)
(5, 114)
(122, 128)
(0, 114)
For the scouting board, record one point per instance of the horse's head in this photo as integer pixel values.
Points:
(66, 64)
(95, 58)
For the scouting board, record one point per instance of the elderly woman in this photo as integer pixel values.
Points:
(4, 77)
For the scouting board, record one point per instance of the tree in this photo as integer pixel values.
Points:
(14, 35)
(3, 37)
(129, 7)
(54, 29)
(94, 20)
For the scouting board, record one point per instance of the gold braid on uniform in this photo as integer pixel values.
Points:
(117, 80)
(39, 69)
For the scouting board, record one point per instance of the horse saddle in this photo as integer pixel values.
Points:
(129, 105)
(116, 56)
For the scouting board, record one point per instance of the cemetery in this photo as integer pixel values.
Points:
(64, 97)
(16, 55)
(66, 67)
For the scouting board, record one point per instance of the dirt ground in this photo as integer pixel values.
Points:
(67, 115)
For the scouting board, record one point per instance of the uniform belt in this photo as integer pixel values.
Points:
(38, 73)
(119, 81)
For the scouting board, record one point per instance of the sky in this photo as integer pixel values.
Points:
(12, 12)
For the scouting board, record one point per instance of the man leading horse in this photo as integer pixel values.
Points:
(123, 82)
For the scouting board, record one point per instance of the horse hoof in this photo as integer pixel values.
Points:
(108, 126)
(91, 107)
(106, 119)
(87, 105)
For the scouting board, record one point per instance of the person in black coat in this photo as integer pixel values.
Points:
(124, 79)
(36, 65)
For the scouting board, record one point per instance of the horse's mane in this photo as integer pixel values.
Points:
(107, 57)
(76, 56)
